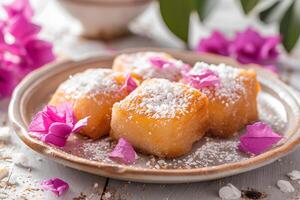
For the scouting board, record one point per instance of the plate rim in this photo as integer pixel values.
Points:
(119, 170)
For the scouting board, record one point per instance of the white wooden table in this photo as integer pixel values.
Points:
(91, 187)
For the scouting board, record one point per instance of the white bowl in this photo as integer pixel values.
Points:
(104, 19)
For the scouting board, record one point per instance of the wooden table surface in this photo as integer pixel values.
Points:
(91, 187)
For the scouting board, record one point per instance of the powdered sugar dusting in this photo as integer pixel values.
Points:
(139, 63)
(205, 153)
(232, 84)
(90, 83)
(159, 98)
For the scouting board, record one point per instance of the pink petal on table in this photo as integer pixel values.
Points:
(22, 28)
(129, 84)
(123, 152)
(159, 62)
(258, 138)
(37, 124)
(81, 123)
(55, 185)
(59, 129)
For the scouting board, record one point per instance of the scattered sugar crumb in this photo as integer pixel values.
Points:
(5, 134)
(229, 192)
(20, 159)
(79, 85)
(139, 63)
(161, 98)
(285, 186)
(96, 185)
(294, 175)
(3, 173)
(106, 196)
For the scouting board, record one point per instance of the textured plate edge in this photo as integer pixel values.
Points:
(131, 173)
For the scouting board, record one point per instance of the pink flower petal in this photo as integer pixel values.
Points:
(53, 139)
(55, 185)
(59, 129)
(55, 115)
(55, 124)
(129, 84)
(123, 152)
(81, 123)
(22, 29)
(19, 7)
(8, 81)
(159, 62)
(258, 138)
(66, 111)
(206, 78)
(251, 47)
(39, 52)
(37, 124)
(216, 43)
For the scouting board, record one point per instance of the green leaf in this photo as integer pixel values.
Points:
(176, 15)
(290, 26)
(248, 5)
(204, 7)
(266, 15)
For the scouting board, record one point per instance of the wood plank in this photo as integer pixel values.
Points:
(263, 179)
(81, 183)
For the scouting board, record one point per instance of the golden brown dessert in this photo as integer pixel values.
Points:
(92, 93)
(145, 65)
(161, 117)
(233, 104)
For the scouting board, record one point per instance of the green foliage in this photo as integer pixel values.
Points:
(266, 15)
(290, 26)
(176, 15)
(248, 5)
(204, 8)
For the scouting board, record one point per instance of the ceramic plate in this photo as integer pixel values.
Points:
(211, 158)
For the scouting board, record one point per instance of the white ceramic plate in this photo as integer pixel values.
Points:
(210, 158)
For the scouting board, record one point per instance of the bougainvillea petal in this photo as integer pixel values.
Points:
(159, 62)
(22, 28)
(216, 44)
(21, 51)
(207, 78)
(7, 82)
(55, 185)
(19, 7)
(53, 114)
(258, 138)
(130, 84)
(81, 123)
(53, 139)
(55, 124)
(251, 47)
(59, 129)
(66, 111)
(39, 52)
(123, 152)
(37, 124)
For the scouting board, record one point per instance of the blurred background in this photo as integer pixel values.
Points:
(81, 28)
